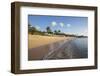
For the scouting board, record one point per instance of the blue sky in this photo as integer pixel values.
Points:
(67, 24)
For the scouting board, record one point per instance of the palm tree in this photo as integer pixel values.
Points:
(31, 29)
(55, 31)
(59, 31)
(49, 31)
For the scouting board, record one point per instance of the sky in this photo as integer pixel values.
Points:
(67, 24)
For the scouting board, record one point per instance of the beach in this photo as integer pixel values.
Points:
(41, 46)
(38, 40)
(55, 47)
(72, 49)
(57, 37)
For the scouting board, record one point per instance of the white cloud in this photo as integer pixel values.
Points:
(53, 23)
(85, 32)
(61, 24)
(68, 25)
(37, 27)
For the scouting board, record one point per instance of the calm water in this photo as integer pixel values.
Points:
(82, 46)
(72, 49)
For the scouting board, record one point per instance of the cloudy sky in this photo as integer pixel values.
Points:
(67, 24)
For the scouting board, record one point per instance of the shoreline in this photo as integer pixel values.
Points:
(40, 52)
(65, 49)
(38, 40)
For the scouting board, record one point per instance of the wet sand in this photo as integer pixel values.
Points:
(61, 49)
(38, 40)
(69, 50)
(42, 46)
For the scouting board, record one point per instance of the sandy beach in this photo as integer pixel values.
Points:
(48, 47)
(41, 46)
(38, 40)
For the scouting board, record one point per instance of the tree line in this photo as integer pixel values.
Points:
(32, 30)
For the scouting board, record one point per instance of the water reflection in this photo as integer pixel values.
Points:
(76, 48)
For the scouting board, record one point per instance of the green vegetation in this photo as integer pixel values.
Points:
(49, 31)
(57, 32)
(32, 30)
